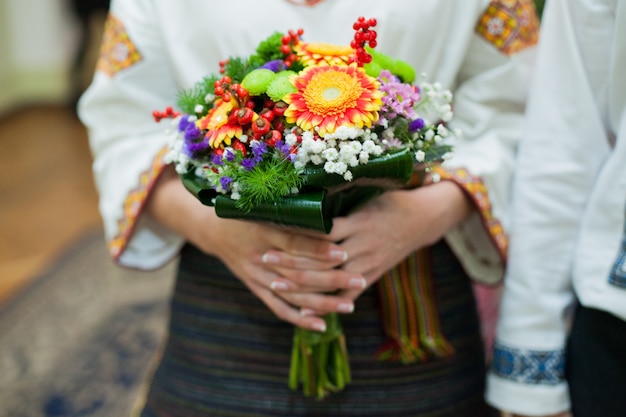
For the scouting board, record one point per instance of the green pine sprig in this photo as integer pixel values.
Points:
(192, 97)
(267, 183)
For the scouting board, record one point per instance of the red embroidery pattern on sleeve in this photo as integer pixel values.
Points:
(510, 25)
(117, 51)
(134, 204)
(476, 190)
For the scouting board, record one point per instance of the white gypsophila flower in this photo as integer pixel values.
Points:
(317, 160)
(430, 134)
(437, 139)
(383, 122)
(447, 95)
(330, 154)
(209, 98)
(298, 164)
(369, 146)
(199, 108)
(364, 158)
(316, 146)
(354, 146)
(180, 169)
(350, 160)
(344, 133)
(291, 139)
(447, 116)
(420, 156)
(447, 156)
(307, 135)
(295, 190)
(442, 131)
(244, 138)
(335, 167)
(419, 143)
(348, 176)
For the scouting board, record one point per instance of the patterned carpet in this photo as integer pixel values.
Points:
(79, 342)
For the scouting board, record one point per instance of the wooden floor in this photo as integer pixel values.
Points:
(47, 196)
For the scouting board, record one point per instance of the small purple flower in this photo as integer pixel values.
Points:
(217, 159)
(184, 123)
(275, 65)
(416, 125)
(249, 163)
(229, 155)
(192, 131)
(258, 148)
(283, 147)
(225, 182)
(398, 98)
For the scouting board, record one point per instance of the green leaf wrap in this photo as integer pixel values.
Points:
(323, 197)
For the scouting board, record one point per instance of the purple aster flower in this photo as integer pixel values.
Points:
(283, 147)
(275, 65)
(183, 123)
(249, 163)
(225, 182)
(217, 159)
(229, 155)
(192, 131)
(415, 125)
(258, 148)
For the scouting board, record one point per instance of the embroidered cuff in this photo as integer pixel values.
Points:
(476, 190)
(529, 366)
(134, 204)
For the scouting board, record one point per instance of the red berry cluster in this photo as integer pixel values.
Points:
(363, 36)
(226, 90)
(288, 42)
(268, 125)
(168, 113)
(223, 66)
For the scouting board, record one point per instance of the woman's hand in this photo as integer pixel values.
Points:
(380, 235)
(252, 251)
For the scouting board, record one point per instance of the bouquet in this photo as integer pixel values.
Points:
(298, 133)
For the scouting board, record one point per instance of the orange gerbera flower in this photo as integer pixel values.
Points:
(317, 53)
(216, 124)
(332, 96)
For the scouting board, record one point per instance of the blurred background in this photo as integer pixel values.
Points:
(47, 52)
(78, 335)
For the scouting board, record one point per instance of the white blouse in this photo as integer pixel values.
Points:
(567, 236)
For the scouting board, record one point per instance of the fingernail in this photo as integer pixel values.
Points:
(357, 283)
(270, 258)
(307, 312)
(345, 308)
(339, 255)
(320, 327)
(279, 286)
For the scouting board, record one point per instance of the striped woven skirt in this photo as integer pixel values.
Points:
(228, 355)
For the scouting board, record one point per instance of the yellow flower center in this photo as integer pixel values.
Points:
(332, 92)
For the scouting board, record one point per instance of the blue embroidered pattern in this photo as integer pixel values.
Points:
(529, 366)
(618, 273)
